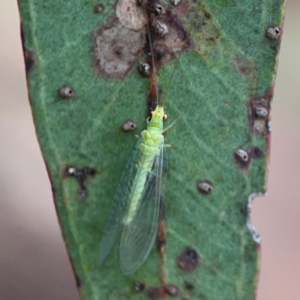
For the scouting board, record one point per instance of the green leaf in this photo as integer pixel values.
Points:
(220, 80)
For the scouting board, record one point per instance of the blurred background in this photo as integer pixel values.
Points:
(33, 260)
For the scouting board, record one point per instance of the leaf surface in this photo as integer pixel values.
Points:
(221, 84)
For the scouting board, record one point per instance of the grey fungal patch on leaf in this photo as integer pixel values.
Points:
(131, 15)
(66, 92)
(117, 48)
(255, 234)
(99, 8)
(144, 69)
(172, 290)
(81, 175)
(188, 260)
(205, 187)
(273, 33)
(128, 125)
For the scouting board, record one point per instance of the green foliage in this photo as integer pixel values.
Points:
(214, 86)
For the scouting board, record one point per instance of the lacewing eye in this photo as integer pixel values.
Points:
(165, 117)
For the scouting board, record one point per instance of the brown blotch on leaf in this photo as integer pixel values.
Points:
(188, 260)
(154, 293)
(28, 54)
(78, 281)
(117, 48)
(169, 38)
(204, 31)
(172, 290)
(245, 66)
(259, 113)
(99, 8)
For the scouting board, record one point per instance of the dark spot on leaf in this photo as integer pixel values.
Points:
(189, 286)
(204, 32)
(244, 210)
(160, 54)
(66, 92)
(257, 153)
(78, 281)
(172, 290)
(118, 51)
(128, 125)
(154, 293)
(99, 8)
(139, 286)
(207, 15)
(81, 175)
(205, 187)
(188, 260)
(28, 54)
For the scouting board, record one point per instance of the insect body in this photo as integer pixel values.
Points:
(135, 207)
